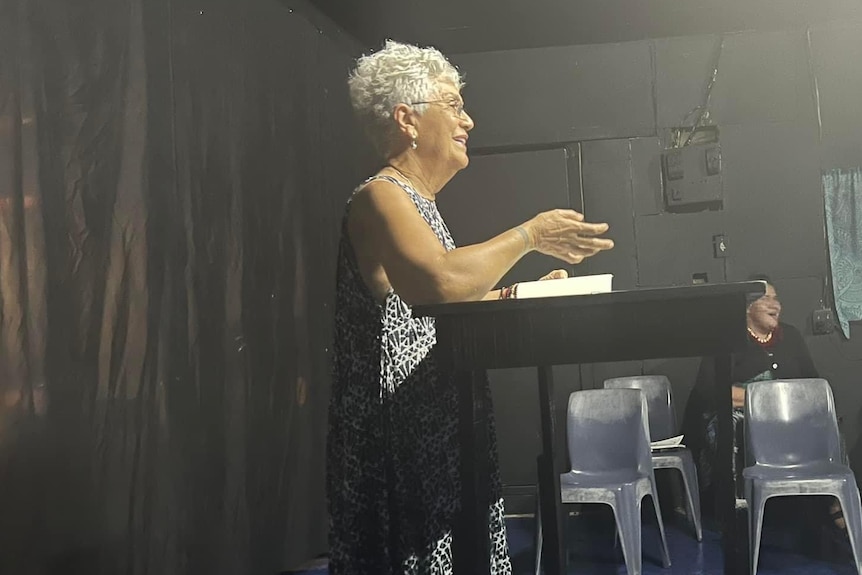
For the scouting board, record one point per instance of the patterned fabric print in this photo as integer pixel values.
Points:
(404, 343)
(842, 190)
(392, 450)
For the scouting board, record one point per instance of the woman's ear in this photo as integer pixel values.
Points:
(406, 119)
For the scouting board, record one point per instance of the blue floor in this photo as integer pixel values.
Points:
(591, 551)
(786, 549)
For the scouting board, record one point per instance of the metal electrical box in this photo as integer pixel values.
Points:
(692, 177)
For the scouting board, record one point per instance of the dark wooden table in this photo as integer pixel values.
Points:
(704, 320)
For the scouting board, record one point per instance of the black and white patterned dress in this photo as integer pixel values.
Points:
(392, 450)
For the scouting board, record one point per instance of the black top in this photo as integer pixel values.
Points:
(786, 358)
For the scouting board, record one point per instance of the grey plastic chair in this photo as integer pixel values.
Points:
(608, 442)
(662, 425)
(793, 448)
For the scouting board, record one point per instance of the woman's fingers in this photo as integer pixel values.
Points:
(593, 243)
(555, 275)
(575, 254)
(565, 235)
(587, 229)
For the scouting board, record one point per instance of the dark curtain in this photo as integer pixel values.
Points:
(172, 175)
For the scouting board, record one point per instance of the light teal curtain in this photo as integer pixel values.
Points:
(842, 190)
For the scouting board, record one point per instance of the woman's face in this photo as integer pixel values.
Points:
(763, 313)
(442, 129)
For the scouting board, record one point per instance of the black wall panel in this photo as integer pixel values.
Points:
(762, 78)
(499, 191)
(647, 192)
(774, 201)
(607, 189)
(799, 296)
(836, 52)
(674, 247)
(683, 67)
(559, 94)
(516, 408)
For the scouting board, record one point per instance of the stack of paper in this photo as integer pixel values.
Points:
(669, 443)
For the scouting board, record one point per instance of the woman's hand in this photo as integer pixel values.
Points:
(565, 235)
(555, 275)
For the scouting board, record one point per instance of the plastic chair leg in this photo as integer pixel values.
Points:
(692, 494)
(627, 512)
(756, 506)
(665, 554)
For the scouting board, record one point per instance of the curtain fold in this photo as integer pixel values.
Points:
(842, 190)
(172, 175)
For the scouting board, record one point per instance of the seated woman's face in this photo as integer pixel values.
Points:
(763, 314)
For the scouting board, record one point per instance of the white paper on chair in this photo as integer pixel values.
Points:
(669, 443)
(580, 285)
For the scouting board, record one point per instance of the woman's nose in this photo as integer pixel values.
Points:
(467, 121)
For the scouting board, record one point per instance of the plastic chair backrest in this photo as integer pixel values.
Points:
(607, 430)
(656, 388)
(790, 421)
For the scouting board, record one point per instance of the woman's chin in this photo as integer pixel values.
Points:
(461, 164)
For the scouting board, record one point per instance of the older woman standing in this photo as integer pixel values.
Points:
(392, 452)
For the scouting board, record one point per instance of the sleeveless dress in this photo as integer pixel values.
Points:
(392, 449)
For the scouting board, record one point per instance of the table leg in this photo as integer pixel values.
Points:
(471, 544)
(553, 552)
(733, 537)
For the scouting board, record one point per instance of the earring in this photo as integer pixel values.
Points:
(413, 145)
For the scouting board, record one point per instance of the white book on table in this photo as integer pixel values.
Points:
(578, 285)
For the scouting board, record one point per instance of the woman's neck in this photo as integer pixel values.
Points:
(760, 333)
(426, 182)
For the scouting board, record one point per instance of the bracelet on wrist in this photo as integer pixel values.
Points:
(510, 292)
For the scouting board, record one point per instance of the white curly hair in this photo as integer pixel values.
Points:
(397, 73)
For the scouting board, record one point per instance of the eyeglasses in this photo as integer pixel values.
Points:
(456, 105)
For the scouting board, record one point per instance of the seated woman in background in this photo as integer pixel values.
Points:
(775, 350)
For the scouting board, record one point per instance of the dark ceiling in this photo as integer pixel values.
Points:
(481, 25)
